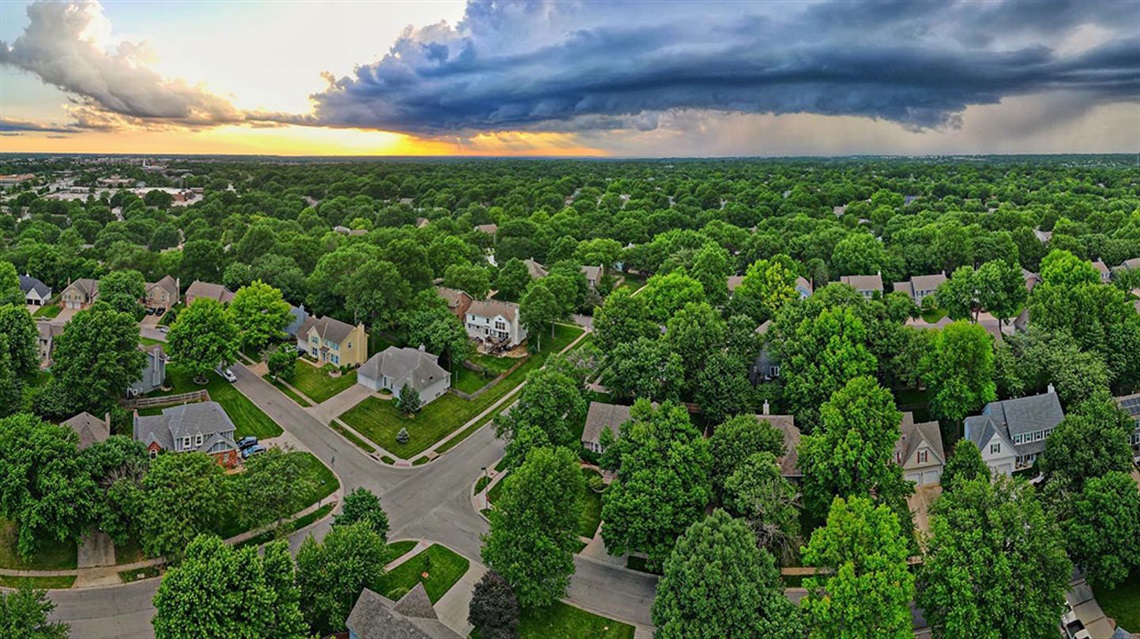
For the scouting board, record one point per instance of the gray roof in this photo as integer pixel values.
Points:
(592, 272)
(328, 328)
(786, 424)
(91, 429)
(377, 617)
(912, 435)
(29, 283)
(1131, 405)
(213, 291)
(920, 283)
(416, 604)
(864, 282)
(414, 367)
(607, 416)
(1133, 263)
(491, 308)
(300, 315)
(49, 330)
(1018, 416)
(167, 284)
(177, 422)
(536, 270)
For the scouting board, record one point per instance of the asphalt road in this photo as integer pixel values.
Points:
(428, 502)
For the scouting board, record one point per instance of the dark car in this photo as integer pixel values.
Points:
(246, 442)
(150, 311)
(251, 451)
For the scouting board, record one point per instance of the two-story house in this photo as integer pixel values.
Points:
(396, 367)
(495, 322)
(1105, 272)
(48, 331)
(920, 287)
(203, 427)
(80, 293)
(200, 289)
(457, 301)
(36, 293)
(163, 293)
(919, 451)
(866, 285)
(153, 373)
(602, 417)
(1011, 434)
(331, 341)
(1131, 405)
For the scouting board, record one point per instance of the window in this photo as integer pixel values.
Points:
(198, 439)
(1039, 435)
(922, 456)
(349, 345)
(995, 449)
(186, 442)
(153, 453)
(775, 370)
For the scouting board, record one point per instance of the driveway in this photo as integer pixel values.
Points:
(149, 321)
(336, 405)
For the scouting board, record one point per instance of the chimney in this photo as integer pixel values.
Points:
(422, 348)
(1049, 389)
(107, 421)
(766, 409)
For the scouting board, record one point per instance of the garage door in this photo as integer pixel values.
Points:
(931, 477)
(914, 477)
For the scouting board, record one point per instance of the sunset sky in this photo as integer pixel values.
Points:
(570, 78)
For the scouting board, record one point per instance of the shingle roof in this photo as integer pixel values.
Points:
(452, 295)
(786, 424)
(491, 308)
(863, 282)
(29, 283)
(734, 282)
(1017, 416)
(375, 617)
(536, 270)
(213, 291)
(177, 422)
(1133, 263)
(419, 369)
(1102, 267)
(167, 284)
(49, 330)
(607, 416)
(91, 429)
(592, 272)
(803, 283)
(327, 328)
(920, 283)
(416, 604)
(87, 286)
(299, 316)
(912, 435)
(489, 229)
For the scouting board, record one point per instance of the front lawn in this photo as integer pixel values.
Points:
(380, 421)
(932, 317)
(324, 484)
(562, 621)
(38, 583)
(317, 384)
(51, 556)
(591, 507)
(47, 312)
(469, 381)
(246, 416)
(1122, 603)
(443, 566)
(398, 549)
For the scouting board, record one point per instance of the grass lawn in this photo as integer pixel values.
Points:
(318, 385)
(51, 556)
(468, 380)
(496, 490)
(445, 568)
(146, 341)
(324, 484)
(142, 573)
(1122, 603)
(288, 527)
(562, 621)
(288, 391)
(591, 505)
(933, 316)
(249, 419)
(47, 312)
(351, 436)
(379, 420)
(398, 549)
(481, 484)
(41, 583)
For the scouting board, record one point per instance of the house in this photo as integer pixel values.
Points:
(1131, 405)
(786, 424)
(415, 367)
(489, 229)
(766, 367)
(457, 301)
(1130, 265)
(422, 222)
(163, 293)
(90, 428)
(920, 287)
(344, 230)
(48, 332)
(412, 617)
(203, 427)
(866, 285)
(593, 274)
(80, 294)
(601, 417)
(153, 374)
(495, 322)
(919, 451)
(1011, 433)
(36, 293)
(200, 289)
(1031, 279)
(734, 282)
(1105, 272)
(299, 316)
(536, 270)
(1043, 236)
(803, 287)
(331, 341)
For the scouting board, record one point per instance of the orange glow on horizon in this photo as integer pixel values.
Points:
(296, 141)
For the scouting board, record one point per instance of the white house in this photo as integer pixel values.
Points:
(495, 322)
(36, 293)
(919, 451)
(1011, 434)
(395, 367)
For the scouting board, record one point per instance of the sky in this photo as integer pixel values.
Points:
(636, 78)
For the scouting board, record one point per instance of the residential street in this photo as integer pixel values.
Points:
(430, 502)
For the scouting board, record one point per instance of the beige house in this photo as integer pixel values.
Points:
(163, 293)
(919, 451)
(866, 285)
(331, 341)
(920, 287)
(80, 294)
(205, 289)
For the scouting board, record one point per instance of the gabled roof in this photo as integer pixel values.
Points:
(803, 283)
(327, 328)
(491, 308)
(786, 424)
(167, 284)
(49, 330)
(91, 429)
(1133, 263)
(489, 229)
(603, 416)
(863, 282)
(536, 270)
(213, 291)
(29, 284)
(86, 286)
(920, 283)
(411, 366)
(298, 315)
(416, 604)
(452, 295)
(1102, 267)
(1017, 416)
(377, 617)
(912, 436)
(187, 420)
(592, 272)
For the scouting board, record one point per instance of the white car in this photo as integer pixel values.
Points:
(228, 375)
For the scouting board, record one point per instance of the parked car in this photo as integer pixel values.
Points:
(252, 450)
(163, 329)
(150, 311)
(228, 375)
(246, 442)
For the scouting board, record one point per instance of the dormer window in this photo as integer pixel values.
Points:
(198, 440)
(995, 449)
(186, 442)
(922, 456)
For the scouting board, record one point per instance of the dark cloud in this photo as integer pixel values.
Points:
(16, 127)
(562, 66)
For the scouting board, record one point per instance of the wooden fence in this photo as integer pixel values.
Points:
(491, 384)
(168, 400)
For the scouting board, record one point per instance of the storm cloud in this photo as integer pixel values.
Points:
(577, 66)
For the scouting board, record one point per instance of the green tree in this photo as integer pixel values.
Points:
(867, 587)
(363, 505)
(512, 280)
(259, 313)
(758, 493)
(534, 526)
(409, 402)
(662, 485)
(549, 403)
(97, 357)
(202, 260)
(273, 487)
(964, 465)
(958, 295)
(24, 614)
(1102, 528)
(622, 319)
(666, 294)
(122, 291)
(375, 292)
(853, 451)
(11, 386)
(645, 368)
(958, 370)
(10, 292)
(19, 329)
(995, 564)
(1001, 288)
(203, 338)
(117, 466)
(695, 332)
(332, 574)
(469, 278)
(184, 495)
(1091, 441)
(711, 268)
(494, 610)
(282, 364)
(859, 254)
(718, 584)
(722, 387)
(538, 308)
(249, 596)
(737, 439)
